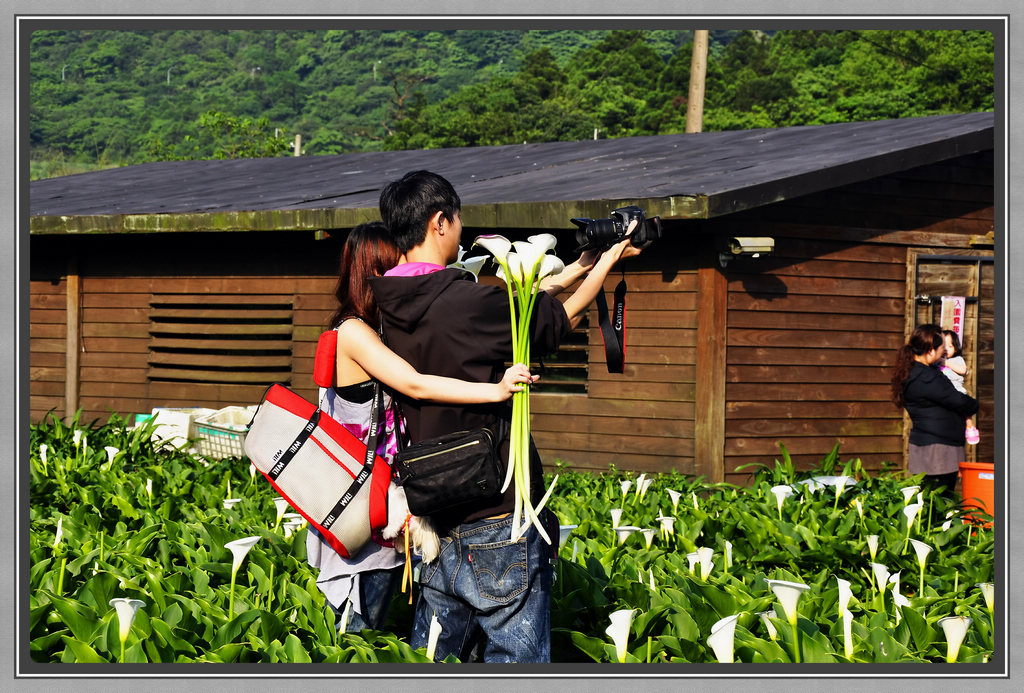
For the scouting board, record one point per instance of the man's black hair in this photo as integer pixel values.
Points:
(407, 204)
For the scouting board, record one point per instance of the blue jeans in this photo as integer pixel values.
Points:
(482, 585)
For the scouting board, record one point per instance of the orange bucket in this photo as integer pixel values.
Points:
(978, 479)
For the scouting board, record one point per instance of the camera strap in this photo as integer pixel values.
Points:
(613, 331)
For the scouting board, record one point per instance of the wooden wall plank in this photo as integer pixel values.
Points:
(818, 304)
(784, 356)
(798, 409)
(806, 374)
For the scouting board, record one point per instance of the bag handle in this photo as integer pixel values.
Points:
(371, 457)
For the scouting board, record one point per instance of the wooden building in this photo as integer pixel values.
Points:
(198, 283)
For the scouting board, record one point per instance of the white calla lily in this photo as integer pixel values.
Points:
(640, 481)
(911, 511)
(231, 502)
(473, 265)
(238, 548)
(126, 610)
(788, 593)
(722, 639)
(921, 550)
(766, 617)
(693, 495)
(899, 601)
(847, 616)
(550, 265)
(616, 514)
(781, 492)
(496, 245)
(881, 574)
(59, 534)
(643, 486)
(648, 536)
(728, 555)
(872, 540)
(625, 485)
(624, 531)
(618, 631)
(704, 557)
(988, 591)
(860, 507)
(343, 621)
(514, 269)
(42, 454)
(111, 454)
(667, 525)
(252, 472)
(845, 594)
(693, 558)
(529, 254)
(149, 488)
(674, 496)
(432, 636)
(281, 505)
(955, 630)
(563, 533)
(908, 493)
(544, 241)
(76, 437)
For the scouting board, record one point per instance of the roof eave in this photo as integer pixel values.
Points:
(548, 214)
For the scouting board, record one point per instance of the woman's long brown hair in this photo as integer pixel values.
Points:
(924, 339)
(368, 252)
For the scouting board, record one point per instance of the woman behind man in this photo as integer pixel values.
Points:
(937, 411)
(370, 579)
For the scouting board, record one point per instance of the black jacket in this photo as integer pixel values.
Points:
(937, 410)
(445, 323)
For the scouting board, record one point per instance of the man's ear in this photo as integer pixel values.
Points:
(435, 220)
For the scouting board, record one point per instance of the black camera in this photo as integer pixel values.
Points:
(601, 234)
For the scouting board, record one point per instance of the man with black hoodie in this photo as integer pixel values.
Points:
(482, 586)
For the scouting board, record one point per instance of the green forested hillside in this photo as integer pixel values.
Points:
(100, 98)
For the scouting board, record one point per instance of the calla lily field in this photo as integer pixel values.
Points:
(136, 556)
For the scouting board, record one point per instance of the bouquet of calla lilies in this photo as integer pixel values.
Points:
(522, 265)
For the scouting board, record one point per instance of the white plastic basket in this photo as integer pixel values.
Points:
(222, 433)
(176, 425)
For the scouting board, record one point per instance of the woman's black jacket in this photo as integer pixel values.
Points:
(937, 410)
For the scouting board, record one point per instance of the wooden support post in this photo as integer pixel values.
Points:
(73, 295)
(709, 418)
(698, 69)
(297, 147)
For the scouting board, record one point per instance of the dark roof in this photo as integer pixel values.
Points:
(695, 176)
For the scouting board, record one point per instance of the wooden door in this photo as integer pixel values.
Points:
(971, 275)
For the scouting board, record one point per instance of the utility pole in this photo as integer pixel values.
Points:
(698, 68)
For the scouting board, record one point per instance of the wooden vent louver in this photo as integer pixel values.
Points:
(565, 371)
(220, 338)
